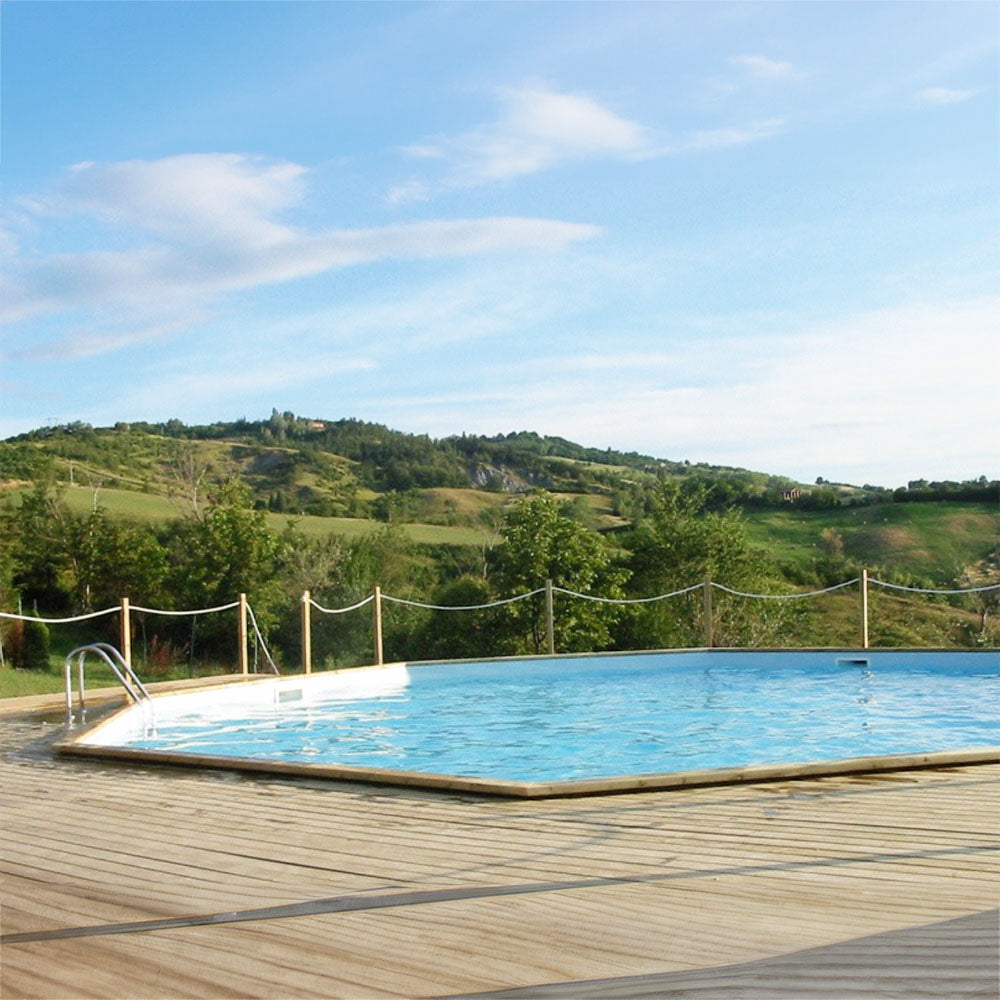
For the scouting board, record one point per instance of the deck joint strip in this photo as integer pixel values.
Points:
(354, 903)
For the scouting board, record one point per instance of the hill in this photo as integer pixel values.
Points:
(343, 467)
(347, 476)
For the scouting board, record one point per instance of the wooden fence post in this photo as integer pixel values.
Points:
(242, 625)
(377, 604)
(550, 620)
(307, 664)
(709, 620)
(125, 632)
(864, 609)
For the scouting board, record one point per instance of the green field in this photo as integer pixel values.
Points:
(148, 508)
(353, 527)
(932, 540)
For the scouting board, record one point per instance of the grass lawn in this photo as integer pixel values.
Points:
(19, 683)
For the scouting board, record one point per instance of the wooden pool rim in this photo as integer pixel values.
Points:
(544, 789)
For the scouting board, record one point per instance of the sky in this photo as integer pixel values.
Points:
(752, 234)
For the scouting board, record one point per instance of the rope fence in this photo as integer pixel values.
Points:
(789, 597)
(125, 609)
(260, 639)
(341, 611)
(626, 600)
(56, 621)
(924, 590)
(550, 589)
(246, 615)
(185, 614)
(463, 607)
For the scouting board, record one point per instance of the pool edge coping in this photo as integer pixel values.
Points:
(668, 781)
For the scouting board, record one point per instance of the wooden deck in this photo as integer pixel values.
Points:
(153, 882)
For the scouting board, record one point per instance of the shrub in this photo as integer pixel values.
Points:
(28, 645)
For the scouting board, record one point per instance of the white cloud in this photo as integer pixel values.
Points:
(537, 129)
(207, 225)
(9, 243)
(944, 95)
(197, 198)
(738, 135)
(540, 129)
(407, 192)
(573, 125)
(764, 68)
(87, 342)
(211, 379)
(452, 311)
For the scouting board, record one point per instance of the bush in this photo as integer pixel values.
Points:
(28, 645)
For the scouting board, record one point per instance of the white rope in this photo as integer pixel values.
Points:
(260, 639)
(340, 611)
(499, 603)
(58, 621)
(179, 614)
(627, 600)
(462, 607)
(787, 597)
(921, 590)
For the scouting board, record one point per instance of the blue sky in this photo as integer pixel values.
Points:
(754, 234)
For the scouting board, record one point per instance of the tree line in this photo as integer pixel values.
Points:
(61, 563)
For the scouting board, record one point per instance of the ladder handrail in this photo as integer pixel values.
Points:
(127, 677)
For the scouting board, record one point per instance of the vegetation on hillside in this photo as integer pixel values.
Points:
(351, 468)
(182, 517)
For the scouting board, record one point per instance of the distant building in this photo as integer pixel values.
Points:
(793, 494)
(317, 425)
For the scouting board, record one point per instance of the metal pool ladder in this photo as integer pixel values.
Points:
(128, 678)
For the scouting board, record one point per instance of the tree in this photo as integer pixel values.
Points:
(111, 559)
(678, 546)
(187, 469)
(541, 542)
(339, 575)
(462, 634)
(227, 551)
(38, 532)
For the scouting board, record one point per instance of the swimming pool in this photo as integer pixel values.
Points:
(561, 725)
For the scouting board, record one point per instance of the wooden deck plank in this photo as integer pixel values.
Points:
(960, 961)
(626, 890)
(755, 848)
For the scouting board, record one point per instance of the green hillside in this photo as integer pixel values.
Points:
(344, 467)
(152, 508)
(346, 477)
(935, 541)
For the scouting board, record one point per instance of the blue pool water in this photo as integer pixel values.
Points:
(588, 717)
